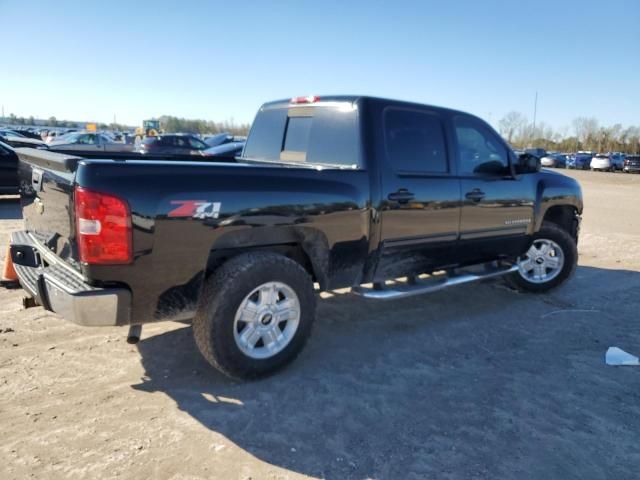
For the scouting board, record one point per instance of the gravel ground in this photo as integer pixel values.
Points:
(476, 382)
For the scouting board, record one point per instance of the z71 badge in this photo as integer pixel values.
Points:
(195, 208)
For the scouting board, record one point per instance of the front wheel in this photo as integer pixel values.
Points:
(549, 262)
(255, 314)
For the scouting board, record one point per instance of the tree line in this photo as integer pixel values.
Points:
(168, 123)
(184, 125)
(585, 133)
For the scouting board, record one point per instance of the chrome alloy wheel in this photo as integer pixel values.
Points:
(543, 261)
(266, 320)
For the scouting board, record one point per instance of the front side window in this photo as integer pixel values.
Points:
(197, 144)
(415, 141)
(480, 151)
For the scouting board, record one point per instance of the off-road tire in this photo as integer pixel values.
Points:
(553, 232)
(220, 298)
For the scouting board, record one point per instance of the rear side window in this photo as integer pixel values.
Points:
(265, 138)
(317, 134)
(415, 141)
(180, 142)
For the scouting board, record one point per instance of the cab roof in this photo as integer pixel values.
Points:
(320, 100)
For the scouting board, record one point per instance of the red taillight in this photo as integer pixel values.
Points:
(308, 99)
(103, 228)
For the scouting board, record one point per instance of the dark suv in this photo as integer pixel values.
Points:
(8, 170)
(173, 145)
(631, 164)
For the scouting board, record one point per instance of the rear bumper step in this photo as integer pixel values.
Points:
(64, 292)
(432, 284)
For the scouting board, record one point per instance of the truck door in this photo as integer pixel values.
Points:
(497, 208)
(420, 208)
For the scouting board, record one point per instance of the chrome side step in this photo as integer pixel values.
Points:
(431, 284)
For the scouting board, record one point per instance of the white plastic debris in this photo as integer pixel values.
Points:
(617, 356)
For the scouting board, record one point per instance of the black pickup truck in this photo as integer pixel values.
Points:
(329, 192)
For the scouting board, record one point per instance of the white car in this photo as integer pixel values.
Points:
(602, 162)
(548, 161)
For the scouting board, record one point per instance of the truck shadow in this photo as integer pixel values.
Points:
(386, 390)
(10, 208)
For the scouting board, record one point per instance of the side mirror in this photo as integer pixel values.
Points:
(528, 163)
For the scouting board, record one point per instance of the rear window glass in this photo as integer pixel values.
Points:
(297, 136)
(150, 140)
(319, 134)
(415, 141)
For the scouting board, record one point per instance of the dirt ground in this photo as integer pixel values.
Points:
(476, 382)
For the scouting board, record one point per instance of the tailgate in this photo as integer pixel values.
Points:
(47, 183)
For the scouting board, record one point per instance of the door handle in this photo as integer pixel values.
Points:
(476, 195)
(401, 196)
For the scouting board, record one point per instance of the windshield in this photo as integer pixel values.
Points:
(219, 139)
(68, 137)
(155, 124)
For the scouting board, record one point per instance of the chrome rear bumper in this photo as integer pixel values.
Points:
(61, 290)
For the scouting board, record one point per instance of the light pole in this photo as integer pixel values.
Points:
(535, 112)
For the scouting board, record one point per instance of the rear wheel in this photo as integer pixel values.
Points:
(550, 260)
(255, 314)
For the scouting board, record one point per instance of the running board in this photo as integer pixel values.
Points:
(432, 284)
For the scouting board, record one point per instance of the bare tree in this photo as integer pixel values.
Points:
(586, 129)
(511, 124)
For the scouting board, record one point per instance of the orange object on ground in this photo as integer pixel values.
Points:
(9, 273)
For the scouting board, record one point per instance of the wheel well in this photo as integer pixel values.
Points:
(563, 216)
(293, 251)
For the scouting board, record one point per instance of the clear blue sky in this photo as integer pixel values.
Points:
(219, 60)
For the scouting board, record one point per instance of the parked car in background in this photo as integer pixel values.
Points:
(617, 160)
(17, 140)
(28, 132)
(218, 139)
(10, 131)
(602, 162)
(554, 160)
(173, 144)
(536, 152)
(53, 135)
(87, 142)
(580, 160)
(8, 170)
(232, 149)
(631, 164)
